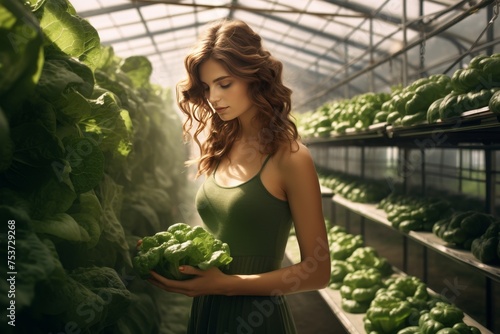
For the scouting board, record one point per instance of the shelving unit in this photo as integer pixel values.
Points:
(479, 126)
(427, 239)
(353, 323)
(435, 262)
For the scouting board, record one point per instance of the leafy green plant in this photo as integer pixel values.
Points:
(91, 158)
(180, 244)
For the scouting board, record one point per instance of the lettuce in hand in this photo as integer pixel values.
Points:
(180, 244)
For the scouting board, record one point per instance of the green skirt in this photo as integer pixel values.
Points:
(240, 315)
(217, 314)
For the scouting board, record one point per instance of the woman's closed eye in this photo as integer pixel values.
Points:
(206, 89)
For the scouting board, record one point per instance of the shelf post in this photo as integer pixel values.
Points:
(490, 179)
(372, 77)
(404, 69)
(422, 171)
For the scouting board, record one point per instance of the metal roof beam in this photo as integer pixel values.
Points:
(112, 9)
(234, 3)
(159, 32)
(416, 25)
(366, 10)
(317, 33)
(438, 30)
(321, 56)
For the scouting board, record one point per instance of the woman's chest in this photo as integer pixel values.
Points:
(239, 170)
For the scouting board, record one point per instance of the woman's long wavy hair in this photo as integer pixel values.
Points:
(238, 48)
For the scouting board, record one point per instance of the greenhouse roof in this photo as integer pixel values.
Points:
(323, 43)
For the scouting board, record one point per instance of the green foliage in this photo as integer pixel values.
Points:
(494, 102)
(388, 312)
(342, 244)
(179, 245)
(462, 227)
(414, 213)
(339, 269)
(403, 303)
(359, 289)
(21, 54)
(442, 318)
(336, 117)
(486, 247)
(91, 158)
(353, 187)
(366, 258)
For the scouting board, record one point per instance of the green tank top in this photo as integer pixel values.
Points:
(255, 225)
(252, 221)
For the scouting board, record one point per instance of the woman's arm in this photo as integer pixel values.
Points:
(304, 197)
(311, 273)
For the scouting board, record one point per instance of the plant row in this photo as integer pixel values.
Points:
(353, 187)
(426, 100)
(392, 304)
(454, 219)
(459, 228)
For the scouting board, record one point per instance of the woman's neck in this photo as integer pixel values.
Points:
(249, 129)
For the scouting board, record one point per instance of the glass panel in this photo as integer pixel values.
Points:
(157, 25)
(132, 30)
(84, 5)
(154, 11)
(101, 22)
(110, 3)
(212, 14)
(125, 17)
(111, 34)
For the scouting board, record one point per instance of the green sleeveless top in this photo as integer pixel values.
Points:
(247, 217)
(256, 225)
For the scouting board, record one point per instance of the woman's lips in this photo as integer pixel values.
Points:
(219, 110)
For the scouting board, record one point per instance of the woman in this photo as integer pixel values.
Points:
(259, 179)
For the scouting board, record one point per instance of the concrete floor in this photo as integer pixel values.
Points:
(313, 315)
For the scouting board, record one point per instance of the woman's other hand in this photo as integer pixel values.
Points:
(211, 281)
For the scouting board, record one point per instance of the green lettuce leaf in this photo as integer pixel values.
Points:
(110, 123)
(57, 77)
(21, 54)
(34, 260)
(110, 195)
(105, 283)
(6, 146)
(138, 70)
(63, 226)
(54, 196)
(86, 161)
(80, 39)
(35, 151)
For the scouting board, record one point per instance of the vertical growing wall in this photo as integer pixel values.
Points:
(91, 161)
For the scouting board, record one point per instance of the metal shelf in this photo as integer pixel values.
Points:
(479, 126)
(425, 238)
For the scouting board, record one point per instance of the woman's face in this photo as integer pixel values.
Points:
(226, 94)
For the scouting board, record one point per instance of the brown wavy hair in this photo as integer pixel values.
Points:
(239, 49)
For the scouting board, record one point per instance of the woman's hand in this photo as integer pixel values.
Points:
(204, 282)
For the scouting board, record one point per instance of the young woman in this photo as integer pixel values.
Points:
(259, 178)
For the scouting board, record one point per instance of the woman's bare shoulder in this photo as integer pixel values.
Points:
(294, 157)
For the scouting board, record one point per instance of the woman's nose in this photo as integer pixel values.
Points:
(213, 99)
